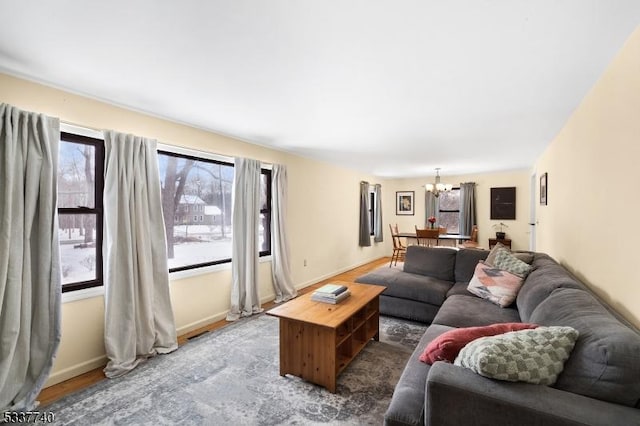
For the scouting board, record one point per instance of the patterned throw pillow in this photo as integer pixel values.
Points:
(508, 262)
(495, 285)
(532, 356)
(446, 346)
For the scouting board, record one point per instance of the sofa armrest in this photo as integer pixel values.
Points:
(456, 396)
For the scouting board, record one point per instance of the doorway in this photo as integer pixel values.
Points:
(532, 211)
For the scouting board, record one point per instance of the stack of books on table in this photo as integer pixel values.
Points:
(331, 293)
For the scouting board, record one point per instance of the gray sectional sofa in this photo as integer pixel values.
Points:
(600, 383)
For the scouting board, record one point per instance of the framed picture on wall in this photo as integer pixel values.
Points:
(503, 203)
(405, 203)
(543, 189)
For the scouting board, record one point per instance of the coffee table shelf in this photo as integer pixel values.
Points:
(319, 340)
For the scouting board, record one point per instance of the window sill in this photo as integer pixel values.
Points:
(175, 276)
(88, 293)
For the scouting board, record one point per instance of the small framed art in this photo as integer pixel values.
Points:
(405, 203)
(543, 189)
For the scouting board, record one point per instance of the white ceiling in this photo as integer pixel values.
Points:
(391, 87)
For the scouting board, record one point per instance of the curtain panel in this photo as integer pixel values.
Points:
(365, 225)
(139, 319)
(467, 207)
(280, 266)
(30, 277)
(431, 208)
(245, 299)
(377, 231)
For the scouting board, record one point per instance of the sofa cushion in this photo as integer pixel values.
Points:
(379, 276)
(546, 276)
(418, 288)
(531, 356)
(407, 402)
(447, 346)
(432, 262)
(604, 363)
(408, 309)
(404, 285)
(459, 288)
(466, 261)
(470, 311)
(495, 285)
(524, 255)
(508, 262)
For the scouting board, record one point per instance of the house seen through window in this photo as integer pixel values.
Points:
(197, 208)
(196, 201)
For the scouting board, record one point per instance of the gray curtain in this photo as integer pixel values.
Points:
(29, 255)
(139, 320)
(377, 226)
(365, 226)
(431, 208)
(467, 207)
(280, 267)
(245, 299)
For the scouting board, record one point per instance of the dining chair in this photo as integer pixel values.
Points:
(399, 250)
(426, 237)
(473, 241)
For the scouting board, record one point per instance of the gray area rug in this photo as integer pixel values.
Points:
(231, 377)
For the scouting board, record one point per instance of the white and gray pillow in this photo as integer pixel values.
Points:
(533, 356)
(508, 262)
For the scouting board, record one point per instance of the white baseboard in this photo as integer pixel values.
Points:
(101, 361)
(215, 318)
(339, 271)
(76, 370)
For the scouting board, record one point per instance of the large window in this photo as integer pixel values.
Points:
(197, 206)
(196, 202)
(372, 210)
(80, 184)
(449, 212)
(264, 230)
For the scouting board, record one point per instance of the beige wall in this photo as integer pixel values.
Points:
(591, 221)
(518, 230)
(323, 220)
(589, 224)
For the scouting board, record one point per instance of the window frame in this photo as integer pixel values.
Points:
(267, 212)
(452, 211)
(372, 210)
(98, 144)
(190, 154)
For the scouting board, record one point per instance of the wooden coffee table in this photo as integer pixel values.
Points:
(318, 340)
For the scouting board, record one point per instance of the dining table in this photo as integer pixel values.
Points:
(445, 237)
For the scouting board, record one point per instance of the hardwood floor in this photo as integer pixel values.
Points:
(55, 392)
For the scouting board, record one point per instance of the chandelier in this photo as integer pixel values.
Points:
(437, 187)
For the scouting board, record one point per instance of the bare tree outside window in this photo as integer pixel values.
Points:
(196, 202)
(80, 210)
(449, 212)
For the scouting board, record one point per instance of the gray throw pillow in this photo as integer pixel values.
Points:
(533, 356)
(525, 256)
